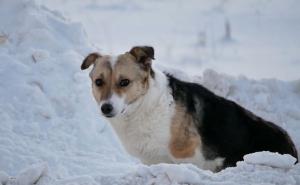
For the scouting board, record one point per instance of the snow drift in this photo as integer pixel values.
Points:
(46, 109)
(51, 131)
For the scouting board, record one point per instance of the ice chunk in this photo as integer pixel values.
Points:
(270, 159)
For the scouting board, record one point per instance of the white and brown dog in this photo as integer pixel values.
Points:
(159, 118)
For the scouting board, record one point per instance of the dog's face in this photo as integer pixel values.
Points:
(119, 82)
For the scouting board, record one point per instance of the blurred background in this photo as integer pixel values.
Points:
(254, 38)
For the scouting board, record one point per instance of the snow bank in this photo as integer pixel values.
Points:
(46, 109)
(31, 175)
(244, 173)
(248, 172)
(51, 131)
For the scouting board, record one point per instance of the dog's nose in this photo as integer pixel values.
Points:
(106, 108)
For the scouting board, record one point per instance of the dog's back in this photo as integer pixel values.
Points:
(241, 132)
(228, 130)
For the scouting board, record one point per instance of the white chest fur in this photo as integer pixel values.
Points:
(144, 129)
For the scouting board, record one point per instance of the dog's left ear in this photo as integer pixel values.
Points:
(143, 54)
(89, 60)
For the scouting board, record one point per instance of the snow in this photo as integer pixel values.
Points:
(47, 110)
(3, 177)
(51, 132)
(270, 159)
(31, 175)
(190, 35)
(244, 173)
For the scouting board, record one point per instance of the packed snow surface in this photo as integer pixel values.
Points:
(51, 132)
(270, 159)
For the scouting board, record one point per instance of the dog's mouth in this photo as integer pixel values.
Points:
(111, 115)
(114, 115)
(108, 115)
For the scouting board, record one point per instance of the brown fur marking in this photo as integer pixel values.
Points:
(184, 136)
(144, 56)
(89, 60)
(102, 70)
(125, 67)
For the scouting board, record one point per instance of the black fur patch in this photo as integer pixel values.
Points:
(228, 130)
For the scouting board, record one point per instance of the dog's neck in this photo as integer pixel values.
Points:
(157, 94)
(145, 126)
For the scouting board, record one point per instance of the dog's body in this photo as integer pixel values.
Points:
(159, 118)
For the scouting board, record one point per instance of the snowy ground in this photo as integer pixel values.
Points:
(50, 129)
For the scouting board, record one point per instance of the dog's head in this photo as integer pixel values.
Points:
(119, 82)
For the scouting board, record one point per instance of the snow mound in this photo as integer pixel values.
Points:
(3, 178)
(32, 174)
(46, 109)
(271, 159)
(244, 173)
(29, 176)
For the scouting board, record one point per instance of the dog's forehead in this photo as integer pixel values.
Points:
(123, 60)
(114, 61)
(113, 64)
(102, 65)
(126, 66)
(103, 61)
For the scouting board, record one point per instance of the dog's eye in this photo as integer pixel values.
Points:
(124, 83)
(99, 82)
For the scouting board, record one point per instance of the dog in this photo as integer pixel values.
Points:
(161, 119)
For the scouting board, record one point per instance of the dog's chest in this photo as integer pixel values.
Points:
(147, 135)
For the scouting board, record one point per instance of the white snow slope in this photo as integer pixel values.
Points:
(51, 132)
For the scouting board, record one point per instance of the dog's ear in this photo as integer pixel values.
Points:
(143, 54)
(89, 60)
